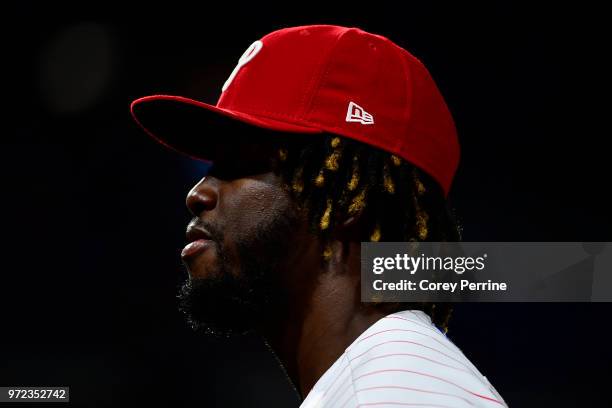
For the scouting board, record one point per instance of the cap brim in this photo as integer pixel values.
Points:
(196, 129)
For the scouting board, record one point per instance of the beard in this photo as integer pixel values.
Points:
(229, 303)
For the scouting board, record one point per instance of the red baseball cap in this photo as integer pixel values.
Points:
(315, 79)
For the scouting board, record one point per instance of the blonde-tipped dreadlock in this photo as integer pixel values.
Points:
(324, 223)
(388, 181)
(327, 252)
(331, 162)
(357, 203)
(320, 180)
(395, 160)
(352, 184)
(421, 216)
(282, 154)
(298, 183)
(375, 237)
(421, 221)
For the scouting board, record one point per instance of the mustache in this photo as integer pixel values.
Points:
(213, 230)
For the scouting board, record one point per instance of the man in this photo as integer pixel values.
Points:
(323, 137)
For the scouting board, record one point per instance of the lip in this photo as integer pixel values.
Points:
(194, 233)
(198, 239)
(195, 248)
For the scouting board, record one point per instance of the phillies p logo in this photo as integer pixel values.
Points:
(248, 55)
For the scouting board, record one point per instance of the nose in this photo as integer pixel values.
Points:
(203, 196)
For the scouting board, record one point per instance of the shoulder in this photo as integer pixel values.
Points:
(403, 359)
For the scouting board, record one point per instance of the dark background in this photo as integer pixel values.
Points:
(93, 211)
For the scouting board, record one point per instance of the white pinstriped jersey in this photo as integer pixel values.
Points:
(403, 360)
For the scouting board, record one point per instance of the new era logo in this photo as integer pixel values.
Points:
(356, 113)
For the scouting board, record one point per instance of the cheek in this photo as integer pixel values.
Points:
(251, 203)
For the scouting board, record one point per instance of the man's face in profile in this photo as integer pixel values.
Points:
(243, 226)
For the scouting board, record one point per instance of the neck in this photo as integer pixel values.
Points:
(323, 317)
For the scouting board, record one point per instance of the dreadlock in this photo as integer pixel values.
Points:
(336, 175)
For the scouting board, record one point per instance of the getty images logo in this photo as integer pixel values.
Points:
(356, 113)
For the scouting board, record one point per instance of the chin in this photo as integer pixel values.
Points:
(218, 306)
(204, 266)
